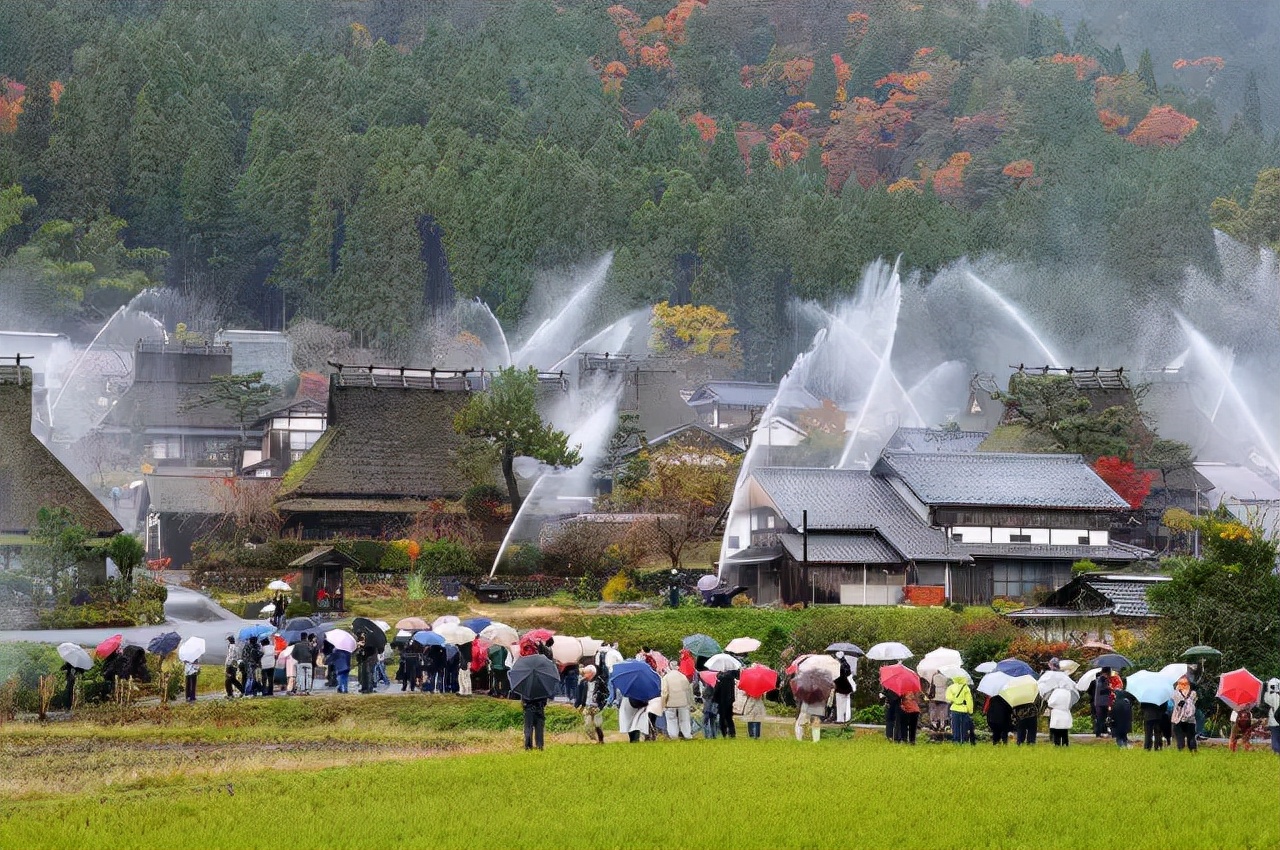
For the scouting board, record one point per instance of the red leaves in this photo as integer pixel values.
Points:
(1164, 126)
(1213, 63)
(843, 75)
(948, 181)
(612, 76)
(1111, 122)
(706, 125)
(1131, 484)
(12, 93)
(1084, 65)
(657, 57)
(1020, 169)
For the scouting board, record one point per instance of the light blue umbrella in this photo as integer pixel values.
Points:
(429, 638)
(1150, 687)
(258, 630)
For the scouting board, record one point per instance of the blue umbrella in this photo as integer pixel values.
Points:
(477, 624)
(1015, 667)
(255, 631)
(1150, 687)
(635, 680)
(165, 643)
(429, 638)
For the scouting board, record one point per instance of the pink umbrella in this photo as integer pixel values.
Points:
(1240, 689)
(708, 677)
(899, 679)
(108, 646)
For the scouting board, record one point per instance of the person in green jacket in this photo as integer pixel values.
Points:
(960, 696)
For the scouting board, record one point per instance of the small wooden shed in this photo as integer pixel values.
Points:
(320, 572)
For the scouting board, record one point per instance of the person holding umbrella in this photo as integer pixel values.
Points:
(999, 719)
(1102, 699)
(677, 702)
(590, 699)
(1059, 702)
(724, 694)
(753, 712)
(1121, 717)
(303, 656)
(1025, 719)
(232, 668)
(1152, 719)
(844, 689)
(960, 697)
(535, 679)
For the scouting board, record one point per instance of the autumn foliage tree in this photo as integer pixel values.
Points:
(1133, 485)
(1163, 127)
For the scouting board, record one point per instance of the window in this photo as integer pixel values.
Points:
(957, 537)
(733, 542)
(1019, 538)
(165, 448)
(1083, 540)
(1020, 579)
(300, 441)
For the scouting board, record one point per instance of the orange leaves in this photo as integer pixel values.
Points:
(674, 25)
(12, 94)
(1213, 63)
(859, 22)
(1111, 122)
(1020, 169)
(657, 57)
(360, 37)
(612, 76)
(706, 125)
(948, 181)
(628, 24)
(1084, 65)
(650, 42)
(1164, 126)
(55, 91)
(906, 82)
(906, 184)
(796, 73)
(787, 146)
(924, 51)
(843, 75)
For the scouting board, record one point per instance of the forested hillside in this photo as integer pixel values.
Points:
(361, 162)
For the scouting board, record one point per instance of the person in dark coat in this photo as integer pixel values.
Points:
(844, 690)
(340, 664)
(1025, 720)
(1100, 688)
(1122, 718)
(410, 666)
(999, 719)
(366, 659)
(433, 669)
(724, 693)
(1152, 719)
(535, 721)
(891, 704)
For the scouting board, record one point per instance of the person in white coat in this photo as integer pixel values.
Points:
(268, 667)
(633, 718)
(677, 702)
(1060, 717)
(1271, 701)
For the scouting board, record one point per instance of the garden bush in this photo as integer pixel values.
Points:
(446, 557)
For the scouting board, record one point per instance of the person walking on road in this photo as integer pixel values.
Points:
(677, 702)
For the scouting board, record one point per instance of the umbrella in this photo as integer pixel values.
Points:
(993, 682)
(279, 585)
(846, 648)
(1202, 652)
(1083, 683)
(402, 636)
(1114, 660)
(75, 655)
(1066, 665)
(757, 680)
(722, 662)
(456, 635)
(382, 624)
(820, 662)
(341, 639)
(742, 645)
(635, 680)
(1173, 672)
(412, 624)
(888, 652)
(955, 671)
(1052, 680)
(1097, 644)
(898, 679)
(1062, 698)
(255, 631)
(538, 635)
(1019, 690)
(300, 624)
(1150, 687)
(429, 638)
(566, 650)
(936, 660)
(163, 644)
(284, 654)
(444, 620)
(701, 645)
(1015, 667)
(479, 655)
(108, 646)
(374, 637)
(709, 677)
(1240, 689)
(534, 677)
(660, 662)
(191, 650)
(985, 667)
(498, 633)
(708, 583)
(812, 686)
(477, 624)
(451, 651)
(590, 646)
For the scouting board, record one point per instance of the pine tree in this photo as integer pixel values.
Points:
(1252, 113)
(1147, 73)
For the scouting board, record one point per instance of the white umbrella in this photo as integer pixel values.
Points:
(499, 633)
(936, 660)
(1068, 666)
(985, 667)
(721, 662)
(993, 682)
(1019, 690)
(341, 639)
(403, 635)
(708, 582)
(742, 645)
(889, 651)
(1173, 672)
(279, 585)
(287, 652)
(1063, 698)
(1051, 680)
(444, 620)
(1150, 687)
(191, 650)
(382, 624)
(566, 650)
(954, 671)
(458, 635)
(590, 646)
(829, 663)
(74, 654)
(1083, 683)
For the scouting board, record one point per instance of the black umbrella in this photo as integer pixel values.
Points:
(373, 635)
(534, 677)
(165, 643)
(1114, 660)
(847, 649)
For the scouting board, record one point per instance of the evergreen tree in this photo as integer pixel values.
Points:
(1147, 73)
(1252, 110)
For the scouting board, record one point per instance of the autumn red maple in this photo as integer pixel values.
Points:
(1132, 485)
(1164, 126)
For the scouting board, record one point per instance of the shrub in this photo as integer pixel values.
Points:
(446, 557)
(1037, 652)
(21, 666)
(483, 502)
(395, 559)
(298, 609)
(620, 588)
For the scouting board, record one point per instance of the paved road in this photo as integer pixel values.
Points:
(187, 612)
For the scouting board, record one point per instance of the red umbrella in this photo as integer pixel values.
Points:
(108, 646)
(687, 666)
(538, 635)
(1240, 689)
(708, 677)
(479, 655)
(757, 680)
(899, 679)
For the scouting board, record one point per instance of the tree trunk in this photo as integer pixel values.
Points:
(509, 475)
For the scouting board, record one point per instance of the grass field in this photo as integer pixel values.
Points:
(448, 773)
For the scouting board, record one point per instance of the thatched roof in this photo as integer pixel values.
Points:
(31, 477)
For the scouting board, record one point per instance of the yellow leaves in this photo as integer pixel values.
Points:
(360, 37)
(1177, 519)
(905, 184)
(692, 329)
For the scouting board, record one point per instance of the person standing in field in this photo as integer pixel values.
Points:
(633, 718)
(753, 713)
(232, 668)
(677, 703)
(810, 715)
(1121, 717)
(1060, 717)
(892, 704)
(843, 689)
(1184, 714)
(710, 710)
(535, 722)
(1271, 700)
(1152, 720)
(268, 667)
(1102, 699)
(302, 657)
(192, 671)
(590, 699)
(999, 719)
(908, 717)
(960, 697)
(725, 693)
(1025, 720)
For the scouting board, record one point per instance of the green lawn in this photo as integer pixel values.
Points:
(859, 792)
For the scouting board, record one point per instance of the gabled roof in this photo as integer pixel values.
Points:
(1095, 595)
(988, 479)
(860, 548)
(693, 433)
(935, 440)
(750, 394)
(1113, 552)
(296, 407)
(325, 555)
(1238, 484)
(161, 406)
(31, 477)
(853, 500)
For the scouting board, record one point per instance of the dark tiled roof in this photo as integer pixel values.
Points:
(853, 500)
(695, 434)
(365, 505)
(1001, 480)
(1095, 595)
(385, 442)
(160, 405)
(865, 548)
(1128, 597)
(935, 440)
(1113, 552)
(30, 476)
(325, 555)
(754, 555)
(734, 394)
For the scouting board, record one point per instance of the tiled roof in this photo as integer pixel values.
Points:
(734, 394)
(1095, 595)
(1001, 480)
(853, 500)
(935, 440)
(865, 548)
(1113, 552)
(693, 434)
(1128, 596)
(161, 405)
